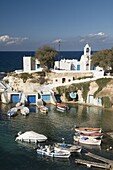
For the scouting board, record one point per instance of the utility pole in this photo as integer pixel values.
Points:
(59, 55)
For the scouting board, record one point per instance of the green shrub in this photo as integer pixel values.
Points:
(34, 81)
(6, 81)
(106, 102)
(61, 90)
(85, 77)
(25, 76)
(42, 73)
(101, 83)
(42, 80)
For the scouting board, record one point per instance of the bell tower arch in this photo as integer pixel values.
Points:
(87, 56)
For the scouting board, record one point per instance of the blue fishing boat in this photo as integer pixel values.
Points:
(46, 151)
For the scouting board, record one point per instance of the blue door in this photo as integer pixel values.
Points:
(45, 97)
(15, 98)
(32, 99)
(78, 67)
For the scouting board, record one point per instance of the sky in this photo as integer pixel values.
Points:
(27, 25)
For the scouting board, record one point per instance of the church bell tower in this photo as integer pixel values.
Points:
(87, 56)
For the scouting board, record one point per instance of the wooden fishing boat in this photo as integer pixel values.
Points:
(87, 130)
(46, 151)
(43, 109)
(67, 147)
(90, 135)
(86, 140)
(62, 107)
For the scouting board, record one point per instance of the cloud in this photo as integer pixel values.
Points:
(100, 36)
(58, 40)
(8, 40)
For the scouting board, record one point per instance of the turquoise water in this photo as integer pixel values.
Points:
(55, 125)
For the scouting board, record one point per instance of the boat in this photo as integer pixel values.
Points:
(62, 107)
(86, 140)
(12, 112)
(24, 111)
(68, 147)
(95, 135)
(43, 109)
(47, 151)
(30, 136)
(87, 130)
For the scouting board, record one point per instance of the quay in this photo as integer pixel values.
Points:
(94, 164)
(107, 163)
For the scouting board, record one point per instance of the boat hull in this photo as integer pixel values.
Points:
(12, 112)
(90, 135)
(88, 130)
(87, 141)
(68, 147)
(53, 154)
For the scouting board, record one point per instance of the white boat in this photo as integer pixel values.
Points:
(12, 112)
(24, 111)
(31, 136)
(86, 140)
(67, 147)
(46, 151)
(87, 130)
(43, 109)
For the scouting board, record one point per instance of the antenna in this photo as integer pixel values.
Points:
(59, 41)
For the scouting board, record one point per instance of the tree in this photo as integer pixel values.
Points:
(46, 56)
(103, 59)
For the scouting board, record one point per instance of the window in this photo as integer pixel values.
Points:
(63, 80)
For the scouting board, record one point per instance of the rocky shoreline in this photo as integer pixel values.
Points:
(32, 85)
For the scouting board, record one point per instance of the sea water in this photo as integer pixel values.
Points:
(13, 60)
(55, 125)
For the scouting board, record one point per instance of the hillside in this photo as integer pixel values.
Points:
(99, 89)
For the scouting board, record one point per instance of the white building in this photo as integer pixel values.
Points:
(31, 64)
(83, 65)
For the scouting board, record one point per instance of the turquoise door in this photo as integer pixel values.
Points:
(78, 67)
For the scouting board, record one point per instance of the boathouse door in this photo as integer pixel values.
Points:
(15, 98)
(31, 99)
(46, 97)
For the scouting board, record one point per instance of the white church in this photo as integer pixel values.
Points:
(30, 64)
(83, 65)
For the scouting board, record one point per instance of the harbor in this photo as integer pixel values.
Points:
(55, 125)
